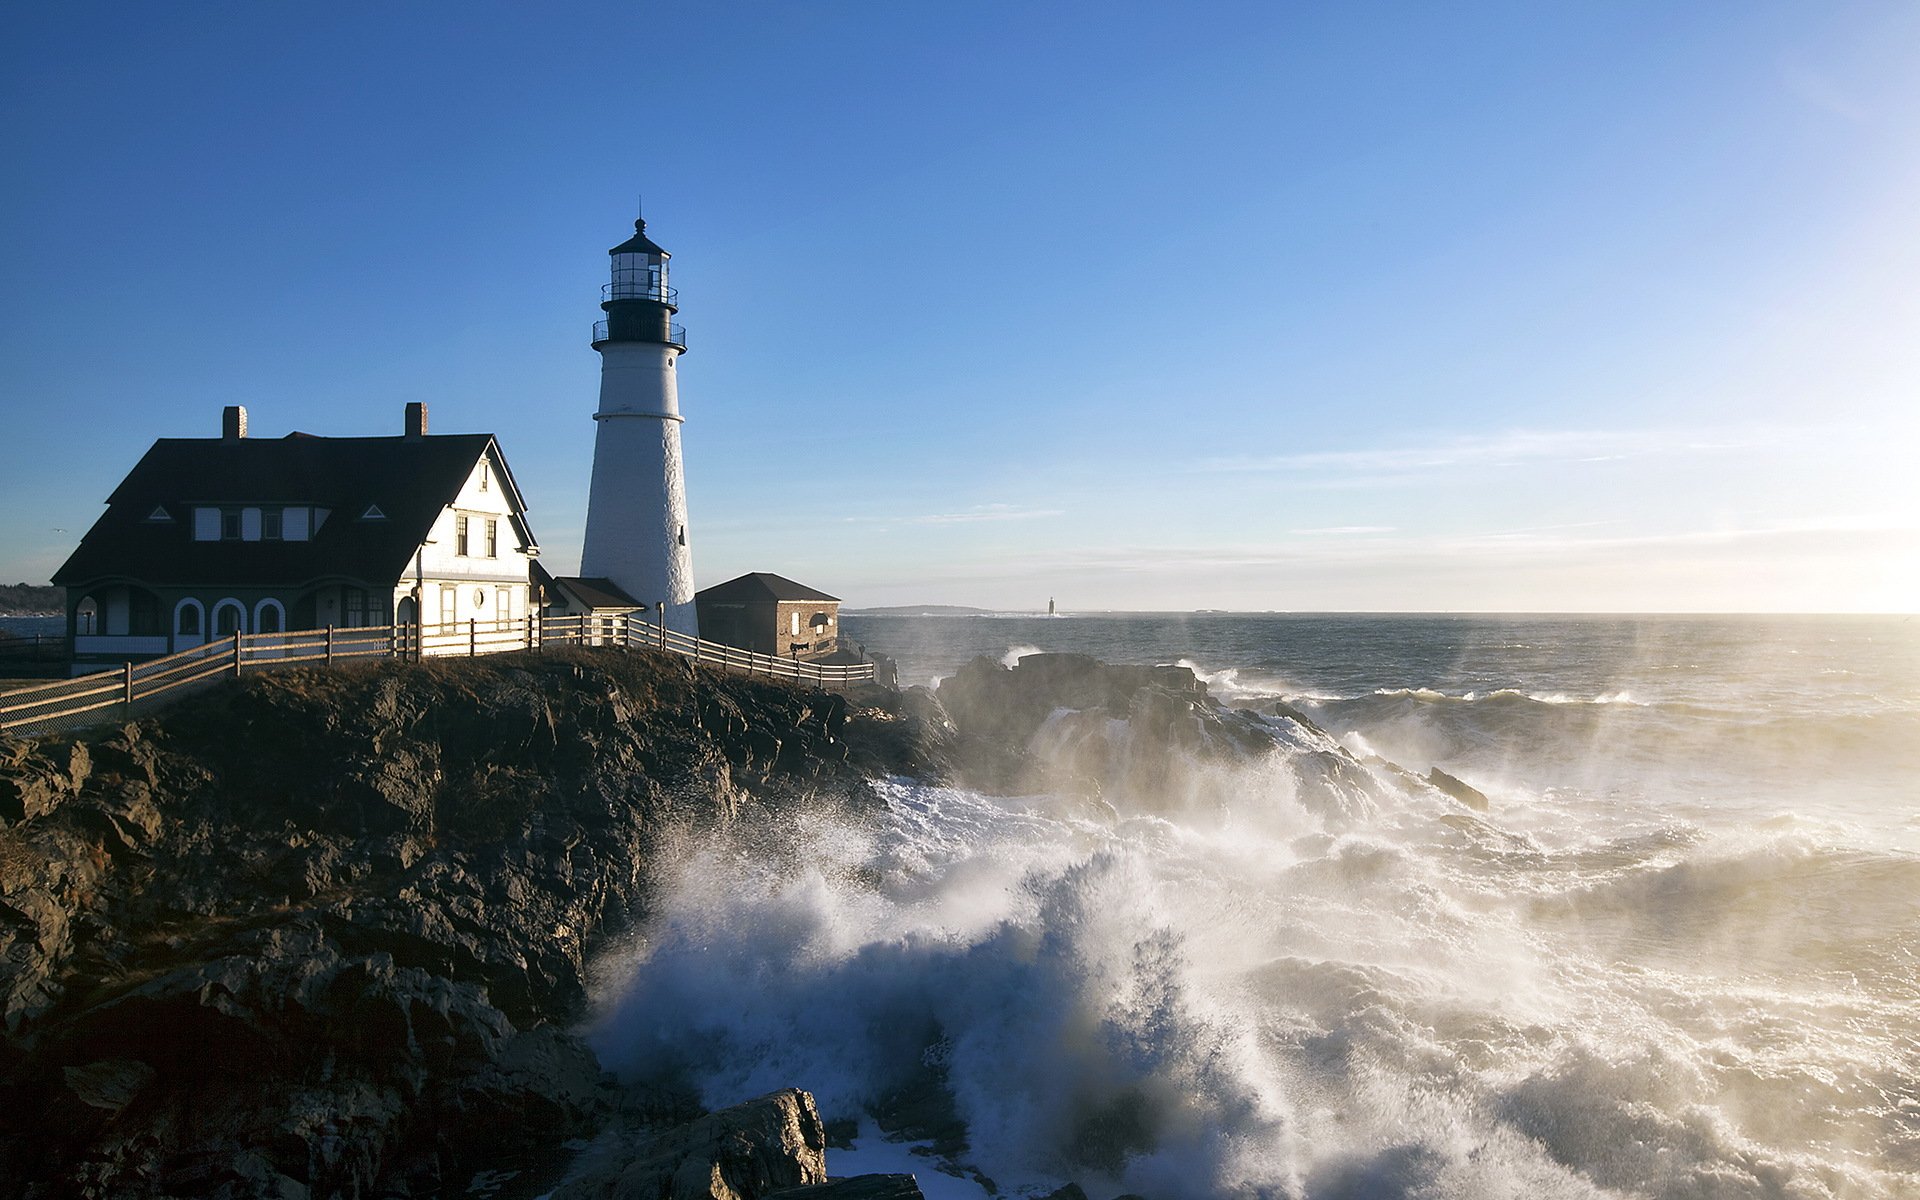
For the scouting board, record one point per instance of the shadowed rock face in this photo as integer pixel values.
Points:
(759, 1148)
(318, 933)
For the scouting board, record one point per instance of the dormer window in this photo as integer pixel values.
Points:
(160, 513)
(373, 513)
(483, 477)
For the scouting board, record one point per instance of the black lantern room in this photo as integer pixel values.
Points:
(638, 301)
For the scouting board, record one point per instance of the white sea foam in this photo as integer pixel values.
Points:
(1677, 959)
(1288, 995)
(1015, 653)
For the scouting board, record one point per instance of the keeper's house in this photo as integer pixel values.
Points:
(208, 537)
(770, 614)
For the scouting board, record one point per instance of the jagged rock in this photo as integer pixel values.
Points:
(859, 1187)
(1460, 790)
(764, 1146)
(1071, 1191)
(35, 780)
(320, 928)
(110, 1084)
(842, 1132)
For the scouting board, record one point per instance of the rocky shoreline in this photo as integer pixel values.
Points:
(325, 933)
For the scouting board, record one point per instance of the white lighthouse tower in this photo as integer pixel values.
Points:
(637, 509)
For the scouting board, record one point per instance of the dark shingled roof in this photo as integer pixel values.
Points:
(760, 585)
(410, 480)
(597, 591)
(639, 243)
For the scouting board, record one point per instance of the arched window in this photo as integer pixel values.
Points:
(269, 617)
(229, 618)
(86, 617)
(188, 616)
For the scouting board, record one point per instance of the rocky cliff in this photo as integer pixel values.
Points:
(321, 932)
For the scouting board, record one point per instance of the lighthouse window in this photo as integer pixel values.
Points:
(493, 539)
(460, 536)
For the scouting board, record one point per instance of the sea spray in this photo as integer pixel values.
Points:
(1283, 977)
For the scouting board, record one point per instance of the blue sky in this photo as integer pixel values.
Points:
(1267, 306)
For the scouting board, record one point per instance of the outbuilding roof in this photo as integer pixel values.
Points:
(761, 585)
(383, 493)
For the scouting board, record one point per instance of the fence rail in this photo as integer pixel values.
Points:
(136, 687)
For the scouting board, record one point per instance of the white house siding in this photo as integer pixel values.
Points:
(476, 580)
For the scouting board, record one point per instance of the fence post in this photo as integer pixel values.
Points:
(529, 631)
(329, 645)
(393, 639)
(236, 654)
(127, 687)
(473, 637)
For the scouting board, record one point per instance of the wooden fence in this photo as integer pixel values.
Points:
(138, 687)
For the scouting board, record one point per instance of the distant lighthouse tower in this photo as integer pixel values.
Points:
(637, 509)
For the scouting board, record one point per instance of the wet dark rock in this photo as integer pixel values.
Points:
(842, 1132)
(765, 1146)
(1460, 790)
(1071, 724)
(859, 1187)
(1071, 1191)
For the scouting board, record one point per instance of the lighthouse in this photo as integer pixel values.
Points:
(637, 507)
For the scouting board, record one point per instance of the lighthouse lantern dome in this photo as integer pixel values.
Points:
(639, 269)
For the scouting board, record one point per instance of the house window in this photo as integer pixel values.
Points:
(503, 604)
(86, 617)
(493, 539)
(143, 613)
(795, 624)
(358, 611)
(449, 603)
(293, 523)
(271, 523)
(228, 618)
(186, 618)
(230, 528)
(483, 477)
(206, 524)
(460, 536)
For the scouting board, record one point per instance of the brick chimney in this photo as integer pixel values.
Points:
(233, 423)
(416, 420)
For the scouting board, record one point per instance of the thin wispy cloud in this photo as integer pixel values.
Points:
(1510, 448)
(966, 516)
(1487, 548)
(1343, 530)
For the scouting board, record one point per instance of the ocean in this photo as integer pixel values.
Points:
(1678, 957)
